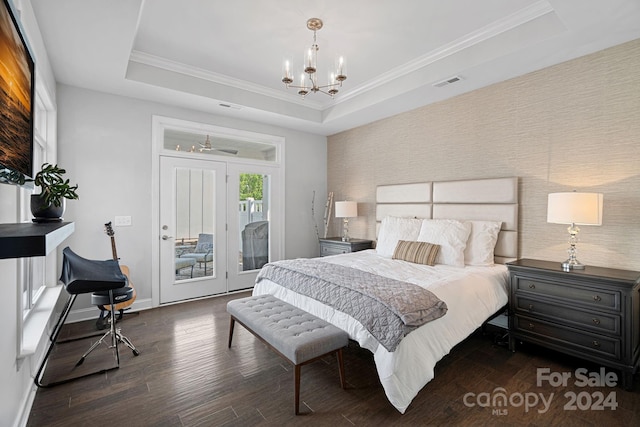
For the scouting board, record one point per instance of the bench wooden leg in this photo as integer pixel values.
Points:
(232, 323)
(343, 382)
(296, 388)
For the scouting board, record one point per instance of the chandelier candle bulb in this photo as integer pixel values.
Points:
(303, 89)
(332, 84)
(341, 70)
(288, 78)
(310, 67)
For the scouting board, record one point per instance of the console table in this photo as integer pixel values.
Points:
(25, 240)
(32, 239)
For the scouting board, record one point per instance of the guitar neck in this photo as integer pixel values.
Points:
(113, 248)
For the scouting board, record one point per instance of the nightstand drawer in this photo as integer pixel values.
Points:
(569, 338)
(328, 249)
(583, 319)
(580, 295)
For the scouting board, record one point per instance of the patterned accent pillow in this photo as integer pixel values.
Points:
(416, 252)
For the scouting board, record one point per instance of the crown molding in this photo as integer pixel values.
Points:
(199, 73)
(494, 29)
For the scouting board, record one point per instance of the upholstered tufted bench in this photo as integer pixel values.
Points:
(291, 332)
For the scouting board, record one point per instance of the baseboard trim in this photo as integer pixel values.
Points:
(92, 313)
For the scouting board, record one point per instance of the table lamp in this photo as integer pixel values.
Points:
(575, 209)
(346, 210)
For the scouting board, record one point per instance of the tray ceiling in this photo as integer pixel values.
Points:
(226, 57)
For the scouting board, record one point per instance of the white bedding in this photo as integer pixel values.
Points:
(472, 294)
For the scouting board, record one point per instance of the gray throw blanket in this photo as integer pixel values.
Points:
(389, 309)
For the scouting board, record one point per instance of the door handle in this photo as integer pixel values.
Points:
(165, 237)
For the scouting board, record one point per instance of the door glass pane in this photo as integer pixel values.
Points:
(195, 219)
(253, 214)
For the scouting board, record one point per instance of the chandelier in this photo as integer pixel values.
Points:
(309, 83)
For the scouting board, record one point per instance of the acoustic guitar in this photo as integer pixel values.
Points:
(125, 270)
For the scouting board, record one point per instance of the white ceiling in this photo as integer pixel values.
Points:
(200, 54)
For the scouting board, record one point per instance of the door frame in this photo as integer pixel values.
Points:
(159, 124)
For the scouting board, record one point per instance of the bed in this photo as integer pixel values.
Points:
(488, 209)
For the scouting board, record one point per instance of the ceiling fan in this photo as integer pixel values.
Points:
(208, 147)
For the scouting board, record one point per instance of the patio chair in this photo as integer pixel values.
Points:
(203, 252)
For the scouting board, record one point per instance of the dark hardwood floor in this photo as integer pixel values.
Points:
(186, 376)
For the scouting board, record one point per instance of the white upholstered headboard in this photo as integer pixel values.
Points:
(494, 199)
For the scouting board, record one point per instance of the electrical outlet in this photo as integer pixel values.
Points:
(122, 221)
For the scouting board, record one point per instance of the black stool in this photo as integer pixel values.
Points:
(110, 298)
(108, 286)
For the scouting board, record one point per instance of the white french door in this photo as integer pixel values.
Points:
(254, 223)
(220, 222)
(192, 228)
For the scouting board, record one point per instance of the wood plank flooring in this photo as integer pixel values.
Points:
(186, 376)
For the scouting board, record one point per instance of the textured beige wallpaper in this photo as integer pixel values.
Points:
(575, 125)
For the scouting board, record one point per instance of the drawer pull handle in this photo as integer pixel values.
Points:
(531, 326)
(532, 286)
(597, 298)
(596, 344)
(596, 321)
(530, 307)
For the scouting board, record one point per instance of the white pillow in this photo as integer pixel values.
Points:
(482, 241)
(452, 237)
(393, 229)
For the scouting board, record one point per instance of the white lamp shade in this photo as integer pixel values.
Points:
(575, 208)
(346, 209)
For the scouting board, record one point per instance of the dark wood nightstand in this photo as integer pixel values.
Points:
(592, 314)
(335, 246)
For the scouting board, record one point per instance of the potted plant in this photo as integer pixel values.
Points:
(49, 204)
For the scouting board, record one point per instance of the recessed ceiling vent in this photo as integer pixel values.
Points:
(448, 81)
(226, 105)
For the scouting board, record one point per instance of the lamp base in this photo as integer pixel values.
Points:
(345, 230)
(572, 264)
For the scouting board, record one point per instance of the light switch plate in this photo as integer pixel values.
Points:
(122, 221)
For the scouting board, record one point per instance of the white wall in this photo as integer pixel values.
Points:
(573, 126)
(105, 145)
(16, 375)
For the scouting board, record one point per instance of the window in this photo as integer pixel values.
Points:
(219, 144)
(33, 270)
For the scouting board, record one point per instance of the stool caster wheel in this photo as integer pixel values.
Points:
(136, 352)
(80, 362)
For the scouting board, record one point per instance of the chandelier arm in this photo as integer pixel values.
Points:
(330, 85)
(322, 91)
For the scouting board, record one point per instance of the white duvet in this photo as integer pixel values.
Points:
(472, 294)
